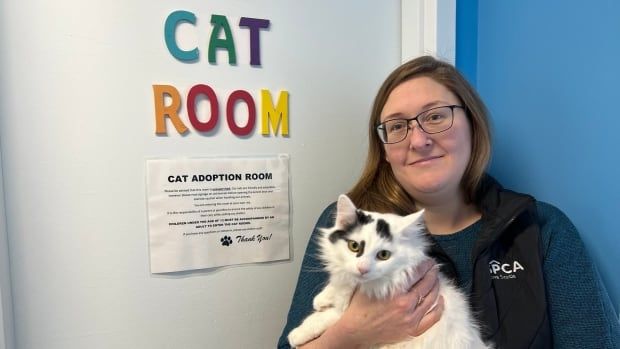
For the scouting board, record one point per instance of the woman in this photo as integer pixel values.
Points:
(529, 279)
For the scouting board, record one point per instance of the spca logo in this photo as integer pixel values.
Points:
(504, 271)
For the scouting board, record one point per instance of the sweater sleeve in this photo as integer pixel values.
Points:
(580, 309)
(310, 282)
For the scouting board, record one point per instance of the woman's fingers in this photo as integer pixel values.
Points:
(424, 300)
(422, 288)
(431, 318)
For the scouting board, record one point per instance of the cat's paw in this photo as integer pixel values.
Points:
(322, 301)
(299, 337)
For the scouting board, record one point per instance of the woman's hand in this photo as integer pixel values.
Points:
(371, 321)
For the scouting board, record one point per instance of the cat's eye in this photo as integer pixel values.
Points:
(383, 255)
(354, 246)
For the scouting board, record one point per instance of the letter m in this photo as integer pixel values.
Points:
(276, 116)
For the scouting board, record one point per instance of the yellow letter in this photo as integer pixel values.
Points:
(277, 116)
(172, 110)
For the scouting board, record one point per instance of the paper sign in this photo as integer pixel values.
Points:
(212, 212)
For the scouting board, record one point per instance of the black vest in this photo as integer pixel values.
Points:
(508, 289)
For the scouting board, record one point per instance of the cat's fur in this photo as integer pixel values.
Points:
(404, 238)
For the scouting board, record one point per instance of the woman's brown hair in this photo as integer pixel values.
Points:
(377, 189)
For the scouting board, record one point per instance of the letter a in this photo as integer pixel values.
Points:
(516, 266)
(219, 22)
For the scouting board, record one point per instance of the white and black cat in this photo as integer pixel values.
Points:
(377, 253)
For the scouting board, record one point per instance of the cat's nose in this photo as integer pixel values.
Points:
(362, 269)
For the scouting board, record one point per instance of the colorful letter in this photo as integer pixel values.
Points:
(240, 95)
(254, 24)
(207, 91)
(171, 111)
(219, 22)
(277, 116)
(170, 27)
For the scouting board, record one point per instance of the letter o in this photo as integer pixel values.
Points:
(240, 95)
(207, 91)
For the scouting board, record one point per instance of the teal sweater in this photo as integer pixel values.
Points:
(579, 307)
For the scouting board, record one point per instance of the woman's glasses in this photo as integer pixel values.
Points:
(434, 120)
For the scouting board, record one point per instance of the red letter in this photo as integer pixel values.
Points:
(230, 112)
(207, 91)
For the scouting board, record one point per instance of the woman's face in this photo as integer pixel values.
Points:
(428, 166)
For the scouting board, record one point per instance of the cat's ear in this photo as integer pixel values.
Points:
(416, 218)
(345, 211)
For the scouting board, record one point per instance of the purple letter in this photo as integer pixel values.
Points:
(254, 24)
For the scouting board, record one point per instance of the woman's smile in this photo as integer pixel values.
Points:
(427, 161)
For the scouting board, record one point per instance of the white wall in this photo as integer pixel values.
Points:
(6, 306)
(428, 28)
(77, 123)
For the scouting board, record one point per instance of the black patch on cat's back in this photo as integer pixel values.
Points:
(337, 235)
(383, 229)
(363, 218)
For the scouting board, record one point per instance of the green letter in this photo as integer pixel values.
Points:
(219, 22)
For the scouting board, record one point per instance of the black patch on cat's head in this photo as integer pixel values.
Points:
(361, 251)
(337, 235)
(383, 229)
(363, 218)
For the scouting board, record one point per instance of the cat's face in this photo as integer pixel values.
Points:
(367, 246)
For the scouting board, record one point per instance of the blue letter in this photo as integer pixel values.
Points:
(170, 31)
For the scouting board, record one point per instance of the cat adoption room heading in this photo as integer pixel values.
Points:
(186, 50)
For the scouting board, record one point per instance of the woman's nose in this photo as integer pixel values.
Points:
(418, 139)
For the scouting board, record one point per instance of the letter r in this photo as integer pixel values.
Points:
(171, 111)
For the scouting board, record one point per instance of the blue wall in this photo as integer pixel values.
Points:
(467, 39)
(550, 74)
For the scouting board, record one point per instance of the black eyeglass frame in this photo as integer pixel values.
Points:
(381, 126)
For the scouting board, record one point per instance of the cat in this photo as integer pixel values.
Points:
(378, 253)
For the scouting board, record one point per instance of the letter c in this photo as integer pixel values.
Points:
(170, 27)
(505, 268)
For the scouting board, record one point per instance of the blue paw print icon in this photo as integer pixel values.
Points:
(226, 241)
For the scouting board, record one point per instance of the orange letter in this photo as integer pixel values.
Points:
(171, 111)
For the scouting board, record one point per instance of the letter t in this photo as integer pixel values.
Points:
(254, 24)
